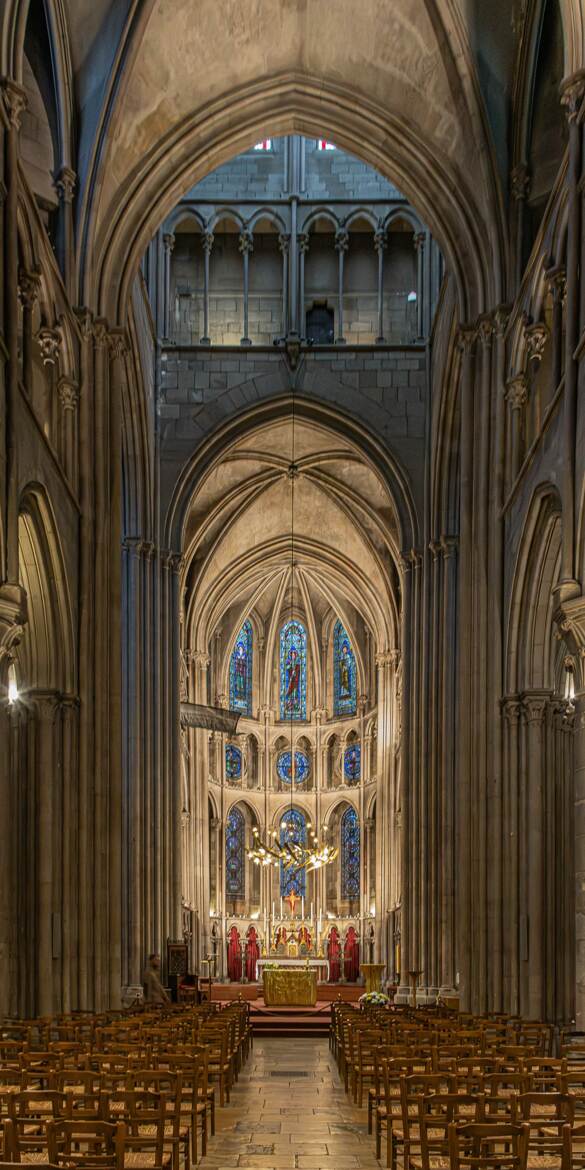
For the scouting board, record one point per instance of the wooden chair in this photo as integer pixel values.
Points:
(477, 1145)
(549, 1116)
(436, 1113)
(86, 1144)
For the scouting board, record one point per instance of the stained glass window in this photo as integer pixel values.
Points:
(235, 855)
(344, 673)
(233, 762)
(293, 827)
(324, 144)
(293, 671)
(241, 671)
(265, 144)
(302, 767)
(352, 763)
(350, 854)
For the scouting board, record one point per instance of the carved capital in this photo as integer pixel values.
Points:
(303, 242)
(68, 391)
(485, 330)
(536, 338)
(283, 243)
(556, 278)
(512, 708)
(520, 182)
(419, 240)
(245, 242)
(13, 618)
(100, 333)
(387, 658)
(570, 622)
(517, 392)
(207, 242)
(15, 101)
(380, 239)
(572, 94)
(341, 240)
(64, 183)
(449, 546)
(534, 707)
(49, 342)
(117, 342)
(168, 242)
(501, 318)
(29, 287)
(466, 338)
(84, 319)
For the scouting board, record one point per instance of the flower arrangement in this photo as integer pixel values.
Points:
(373, 999)
(271, 967)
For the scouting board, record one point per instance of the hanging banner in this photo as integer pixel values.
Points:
(211, 718)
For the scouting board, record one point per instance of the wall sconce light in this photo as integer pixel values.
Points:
(13, 691)
(569, 694)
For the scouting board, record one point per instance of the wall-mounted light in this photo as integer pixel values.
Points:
(411, 297)
(13, 692)
(569, 694)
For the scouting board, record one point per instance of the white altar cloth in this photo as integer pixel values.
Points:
(302, 961)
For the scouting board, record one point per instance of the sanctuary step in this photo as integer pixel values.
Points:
(290, 1021)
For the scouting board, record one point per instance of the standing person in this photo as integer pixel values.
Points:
(154, 991)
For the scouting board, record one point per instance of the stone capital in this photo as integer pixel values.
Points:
(536, 336)
(13, 618)
(534, 706)
(387, 658)
(245, 242)
(14, 100)
(520, 182)
(283, 243)
(341, 240)
(84, 319)
(68, 391)
(117, 342)
(47, 704)
(556, 278)
(100, 333)
(572, 94)
(449, 545)
(64, 183)
(380, 239)
(303, 242)
(168, 241)
(501, 317)
(485, 330)
(512, 707)
(29, 287)
(466, 338)
(570, 621)
(517, 392)
(419, 241)
(207, 241)
(49, 342)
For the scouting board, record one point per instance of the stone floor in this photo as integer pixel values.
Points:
(281, 1120)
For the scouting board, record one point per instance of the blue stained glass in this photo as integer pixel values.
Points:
(350, 854)
(241, 671)
(293, 671)
(233, 762)
(235, 854)
(293, 827)
(302, 767)
(344, 673)
(352, 763)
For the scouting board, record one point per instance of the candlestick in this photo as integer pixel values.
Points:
(281, 907)
(303, 907)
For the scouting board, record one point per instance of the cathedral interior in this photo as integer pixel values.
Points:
(292, 503)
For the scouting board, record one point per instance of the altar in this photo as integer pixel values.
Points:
(320, 966)
(293, 986)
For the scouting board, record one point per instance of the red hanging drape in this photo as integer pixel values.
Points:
(304, 936)
(234, 955)
(334, 955)
(351, 956)
(252, 954)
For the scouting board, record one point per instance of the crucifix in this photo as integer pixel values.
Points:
(292, 900)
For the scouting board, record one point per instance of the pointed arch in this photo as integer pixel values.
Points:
(344, 673)
(241, 670)
(293, 670)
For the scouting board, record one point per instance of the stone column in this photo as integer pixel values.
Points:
(447, 771)
(419, 244)
(68, 392)
(380, 246)
(511, 856)
(65, 181)
(13, 617)
(303, 240)
(46, 706)
(573, 90)
(69, 706)
(168, 245)
(246, 247)
(516, 397)
(284, 247)
(28, 289)
(467, 342)
(341, 247)
(534, 705)
(13, 103)
(520, 189)
(207, 239)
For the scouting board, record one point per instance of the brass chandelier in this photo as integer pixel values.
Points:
(291, 854)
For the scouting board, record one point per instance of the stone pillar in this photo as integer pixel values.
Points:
(65, 181)
(380, 246)
(341, 246)
(13, 616)
(467, 342)
(28, 289)
(516, 397)
(557, 281)
(447, 771)
(13, 104)
(46, 706)
(69, 769)
(511, 856)
(520, 189)
(68, 392)
(168, 245)
(303, 241)
(573, 90)
(284, 247)
(534, 705)
(419, 240)
(245, 247)
(207, 239)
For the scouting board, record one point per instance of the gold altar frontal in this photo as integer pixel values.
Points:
(296, 987)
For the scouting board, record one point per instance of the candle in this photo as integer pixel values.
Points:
(303, 906)
(273, 911)
(281, 905)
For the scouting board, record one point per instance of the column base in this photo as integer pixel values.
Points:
(427, 995)
(380, 341)
(340, 341)
(245, 341)
(402, 995)
(204, 341)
